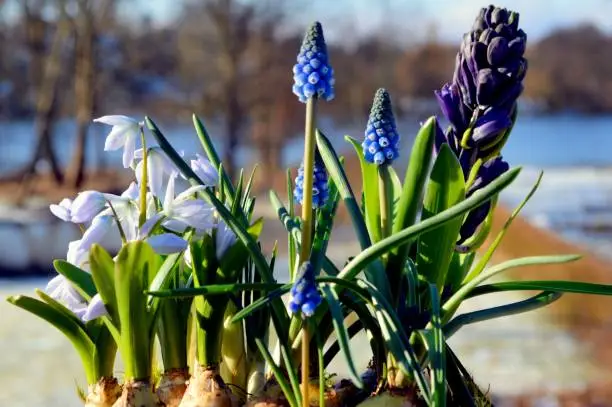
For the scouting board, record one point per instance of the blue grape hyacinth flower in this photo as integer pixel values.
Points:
(381, 141)
(320, 189)
(305, 297)
(313, 76)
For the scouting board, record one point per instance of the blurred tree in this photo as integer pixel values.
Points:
(91, 15)
(45, 75)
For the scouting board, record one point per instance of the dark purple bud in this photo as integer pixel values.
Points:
(487, 35)
(490, 126)
(487, 173)
(467, 158)
(513, 20)
(450, 102)
(497, 51)
(503, 30)
(488, 12)
(517, 46)
(473, 219)
(487, 86)
(499, 16)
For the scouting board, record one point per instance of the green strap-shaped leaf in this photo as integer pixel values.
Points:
(164, 276)
(280, 313)
(414, 185)
(135, 268)
(73, 330)
(369, 179)
(446, 188)
(375, 272)
(370, 254)
(437, 351)
(278, 373)
(538, 301)
(577, 287)
(81, 280)
(484, 260)
(213, 157)
(341, 333)
(456, 299)
(103, 274)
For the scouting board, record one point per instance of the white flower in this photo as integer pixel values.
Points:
(123, 134)
(100, 225)
(86, 205)
(62, 290)
(185, 211)
(224, 239)
(62, 210)
(158, 164)
(207, 173)
(95, 309)
(131, 192)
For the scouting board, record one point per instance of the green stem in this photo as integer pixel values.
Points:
(384, 193)
(143, 183)
(209, 314)
(172, 333)
(309, 156)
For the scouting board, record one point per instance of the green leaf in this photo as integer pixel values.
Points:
(369, 179)
(538, 301)
(375, 273)
(341, 333)
(396, 339)
(370, 254)
(577, 287)
(484, 260)
(457, 384)
(414, 185)
(212, 155)
(164, 275)
(80, 279)
(217, 289)
(437, 350)
(281, 319)
(73, 330)
(278, 373)
(456, 299)
(445, 189)
(247, 190)
(103, 274)
(136, 266)
(458, 268)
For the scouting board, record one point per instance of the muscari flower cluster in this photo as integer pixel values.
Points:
(313, 76)
(320, 188)
(480, 102)
(305, 297)
(381, 143)
(107, 216)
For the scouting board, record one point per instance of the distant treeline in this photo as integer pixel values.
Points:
(229, 59)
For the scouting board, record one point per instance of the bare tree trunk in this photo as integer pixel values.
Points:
(84, 89)
(47, 99)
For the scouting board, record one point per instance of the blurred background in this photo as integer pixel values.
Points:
(65, 62)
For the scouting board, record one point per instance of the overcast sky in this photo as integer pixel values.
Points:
(451, 18)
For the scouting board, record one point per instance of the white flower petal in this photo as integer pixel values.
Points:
(204, 169)
(95, 309)
(187, 257)
(148, 226)
(87, 205)
(131, 192)
(225, 238)
(167, 243)
(62, 210)
(175, 225)
(128, 148)
(117, 120)
(156, 175)
(190, 192)
(195, 213)
(116, 138)
(76, 255)
(100, 225)
(169, 197)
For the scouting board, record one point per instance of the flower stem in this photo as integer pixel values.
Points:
(305, 365)
(309, 155)
(384, 192)
(143, 184)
